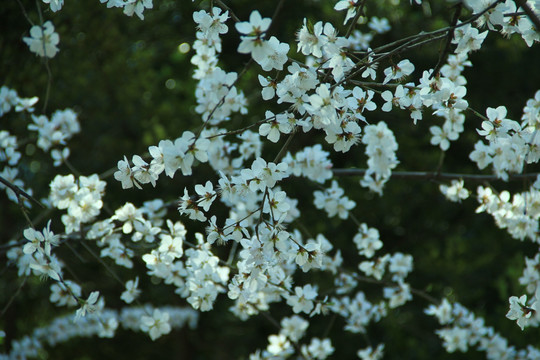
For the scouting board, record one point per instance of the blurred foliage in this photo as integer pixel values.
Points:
(132, 87)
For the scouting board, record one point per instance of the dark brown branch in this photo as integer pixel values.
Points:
(233, 15)
(448, 46)
(25, 13)
(18, 191)
(530, 13)
(359, 12)
(277, 10)
(412, 41)
(13, 297)
(45, 61)
(433, 175)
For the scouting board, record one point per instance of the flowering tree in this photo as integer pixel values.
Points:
(264, 203)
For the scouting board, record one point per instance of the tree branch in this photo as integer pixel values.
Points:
(18, 191)
(447, 48)
(433, 175)
(530, 13)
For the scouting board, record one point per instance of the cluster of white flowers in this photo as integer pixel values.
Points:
(9, 158)
(381, 147)
(510, 145)
(369, 353)
(269, 54)
(167, 157)
(519, 214)
(292, 330)
(399, 265)
(456, 191)
(357, 310)
(105, 324)
(311, 162)
(8, 148)
(269, 252)
(81, 198)
(367, 241)
(463, 329)
(54, 133)
(333, 201)
(506, 18)
(531, 276)
(10, 155)
(10, 99)
(276, 125)
(36, 255)
(217, 97)
(130, 6)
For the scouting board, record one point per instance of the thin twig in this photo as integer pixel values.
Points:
(276, 12)
(409, 43)
(25, 13)
(18, 191)
(284, 147)
(239, 131)
(233, 15)
(478, 114)
(359, 12)
(100, 260)
(45, 60)
(13, 297)
(417, 292)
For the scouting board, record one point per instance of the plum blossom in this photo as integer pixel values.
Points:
(137, 7)
(157, 324)
(520, 311)
(87, 306)
(43, 40)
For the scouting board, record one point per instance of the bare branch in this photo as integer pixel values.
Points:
(433, 175)
(447, 47)
(18, 191)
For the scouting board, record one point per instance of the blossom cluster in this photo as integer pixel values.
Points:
(510, 144)
(327, 92)
(62, 329)
(463, 330)
(55, 132)
(130, 7)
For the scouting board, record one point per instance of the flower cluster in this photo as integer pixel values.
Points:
(518, 213)
(130, 6)
(10, 99)
(81, 199)
(55, 132)
(456, 191)
(381, 147)
(333, 201)
(317, 95)
(510, 145)
(62, 329)
(463, 329)
(10, 154)
(217, 97)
